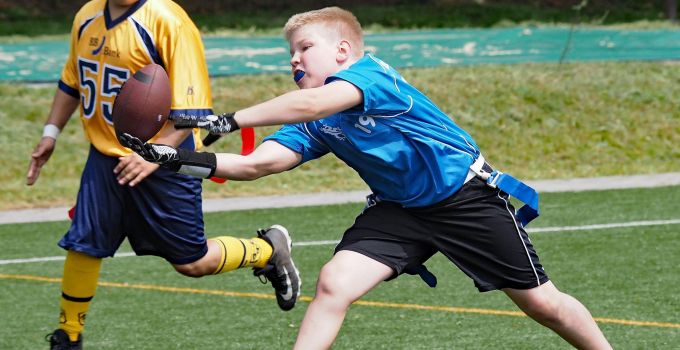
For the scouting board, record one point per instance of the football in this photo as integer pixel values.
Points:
(143, 103)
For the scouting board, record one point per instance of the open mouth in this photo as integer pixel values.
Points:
(298, 74)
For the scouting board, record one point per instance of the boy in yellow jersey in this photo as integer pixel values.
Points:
(121, 195)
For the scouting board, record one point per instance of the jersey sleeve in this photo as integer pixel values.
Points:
(380, 85)
(300, 138)
(184, 57)
(69, 82)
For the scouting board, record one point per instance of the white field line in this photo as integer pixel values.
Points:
(604, 226)
(50, 258)
(331, 242)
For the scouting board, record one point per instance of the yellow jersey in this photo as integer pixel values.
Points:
(105, 52)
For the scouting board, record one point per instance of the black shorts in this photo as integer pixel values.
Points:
(475, 228)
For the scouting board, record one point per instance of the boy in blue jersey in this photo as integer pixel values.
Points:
(122, 195)
(423, 169)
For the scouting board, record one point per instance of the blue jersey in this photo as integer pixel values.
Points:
(402, 145)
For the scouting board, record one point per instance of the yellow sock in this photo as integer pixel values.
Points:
(239, 252)
(78, 285)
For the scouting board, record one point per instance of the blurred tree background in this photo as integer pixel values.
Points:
(36, 17)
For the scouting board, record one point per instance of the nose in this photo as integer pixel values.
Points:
(295, 59)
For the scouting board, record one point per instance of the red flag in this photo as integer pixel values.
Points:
(247, 147)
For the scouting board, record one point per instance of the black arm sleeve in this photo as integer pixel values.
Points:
(199, 164)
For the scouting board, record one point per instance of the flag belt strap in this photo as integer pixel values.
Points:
(512, 186)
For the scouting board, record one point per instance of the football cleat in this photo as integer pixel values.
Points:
(59, 340)
(280, 269)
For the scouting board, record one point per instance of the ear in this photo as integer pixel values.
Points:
(344, 51)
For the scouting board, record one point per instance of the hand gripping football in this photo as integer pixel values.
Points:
(143, 103)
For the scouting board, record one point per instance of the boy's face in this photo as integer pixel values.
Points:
(314, 50)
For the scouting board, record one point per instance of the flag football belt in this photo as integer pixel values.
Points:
(494, 179)
(511, 186)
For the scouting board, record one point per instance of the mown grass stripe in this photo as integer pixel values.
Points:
(330, 242)
(452, 309)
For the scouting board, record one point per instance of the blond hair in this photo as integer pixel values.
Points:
(343, 22)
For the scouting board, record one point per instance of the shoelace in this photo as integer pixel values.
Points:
(260, 273)
(268, 273)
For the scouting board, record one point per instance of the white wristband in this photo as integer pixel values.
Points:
(51, 130)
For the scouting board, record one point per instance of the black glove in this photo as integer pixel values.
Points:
(215, 124)
(210, 139)
(199, 164)
(164, 155)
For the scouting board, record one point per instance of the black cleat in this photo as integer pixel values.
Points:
(281, 270)
(59, 340)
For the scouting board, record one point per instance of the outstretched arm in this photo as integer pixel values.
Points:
(302, 105)
(292, 107)
(268, 158)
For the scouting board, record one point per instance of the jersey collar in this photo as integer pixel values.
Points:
(112, 23)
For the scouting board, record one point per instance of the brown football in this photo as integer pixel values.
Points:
(143, 103)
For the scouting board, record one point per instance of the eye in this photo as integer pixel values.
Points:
(305, 47)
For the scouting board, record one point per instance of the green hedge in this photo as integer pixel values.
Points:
(37, 17)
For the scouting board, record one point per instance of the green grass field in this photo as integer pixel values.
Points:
(626, 275)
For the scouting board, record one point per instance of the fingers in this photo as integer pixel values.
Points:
(146, 170)
(194, 121)
(132, 169)
(39, 157)
(210, 139)
(136, 145)
(122, 164)
(154, 153)
(186, 121)
(34, 167)
(131, 142)
(184, 124)
(33, 172)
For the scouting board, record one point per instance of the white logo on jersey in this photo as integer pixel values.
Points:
(365, 121)
(336, 132)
